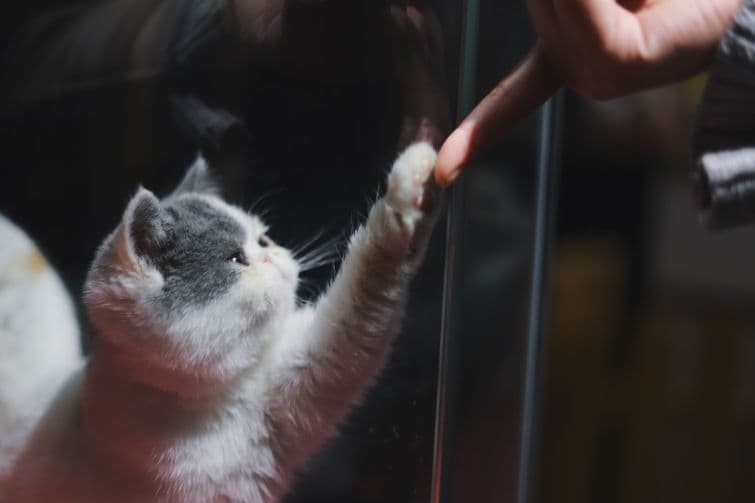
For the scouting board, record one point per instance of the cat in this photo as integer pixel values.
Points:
(39, 338)
(207, 380)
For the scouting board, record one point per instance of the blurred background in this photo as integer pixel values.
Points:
(650, 377)
(649, 368)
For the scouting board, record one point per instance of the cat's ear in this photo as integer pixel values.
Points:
(198, 179)
(144, 228)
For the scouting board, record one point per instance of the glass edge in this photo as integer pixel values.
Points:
(548, 168)
(441, 487)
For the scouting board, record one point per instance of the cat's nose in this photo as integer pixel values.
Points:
(267, 259)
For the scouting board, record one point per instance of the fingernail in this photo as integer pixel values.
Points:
(452, 176)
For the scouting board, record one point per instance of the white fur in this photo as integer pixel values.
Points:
(39, 339)
(227, 402)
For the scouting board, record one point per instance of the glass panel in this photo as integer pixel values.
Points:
(298, 106)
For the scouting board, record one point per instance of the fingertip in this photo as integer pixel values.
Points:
(452, 157)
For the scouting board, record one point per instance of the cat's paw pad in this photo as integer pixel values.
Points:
(410, 187)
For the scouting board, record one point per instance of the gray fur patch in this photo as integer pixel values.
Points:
(193, 257)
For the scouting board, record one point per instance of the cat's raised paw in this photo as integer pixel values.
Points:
(410, 186)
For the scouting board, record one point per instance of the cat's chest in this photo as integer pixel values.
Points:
(228, 440)
(231, 456)
(223, 455)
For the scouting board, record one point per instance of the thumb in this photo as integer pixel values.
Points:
(516, 96)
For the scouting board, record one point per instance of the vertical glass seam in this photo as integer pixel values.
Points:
(546, 203)
(442, 461)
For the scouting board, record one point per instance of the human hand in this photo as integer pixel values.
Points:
(599, 48)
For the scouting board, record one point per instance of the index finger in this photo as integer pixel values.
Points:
(515, 97)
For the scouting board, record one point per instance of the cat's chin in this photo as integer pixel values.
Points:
(287, 277)
(262, 308)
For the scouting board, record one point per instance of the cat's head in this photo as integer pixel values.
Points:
(188, 286)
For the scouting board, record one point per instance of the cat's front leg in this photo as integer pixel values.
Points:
(337, 353)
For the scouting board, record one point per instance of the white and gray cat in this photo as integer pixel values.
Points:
(207, 382)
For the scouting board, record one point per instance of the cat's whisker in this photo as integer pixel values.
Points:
(311, 256)
(309, 290)
(325, 254)
(263, 214)
(307, 244)
(317, 265)
(254, 207)
(327, 249)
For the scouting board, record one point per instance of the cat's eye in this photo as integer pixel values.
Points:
(264, 241)
(239, 257)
